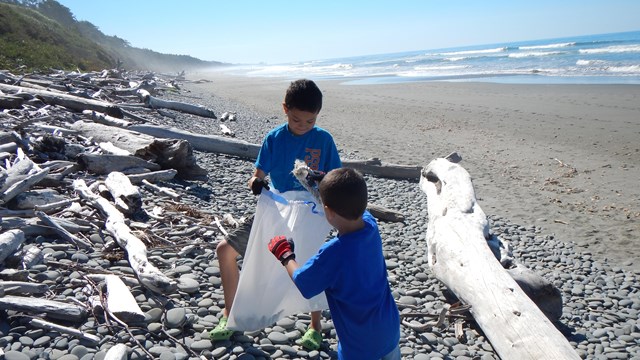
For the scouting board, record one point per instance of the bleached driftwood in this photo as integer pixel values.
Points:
(167, 153)
(386, 214)
(9, 242)
(90, 338)
(109, 148)
(208, 143)
(459, 256)
(106, 119)
(62, 231)
(148, 275)
(53, 309)
(22, 288)
(224, 129)
(22, 185)
(160, 189)
(120, 302)
(160, 175)
(378, 168)
(243, 149)
(37, 197)
(156, 103)
(125, 195)
(68, 101)
(105, 164)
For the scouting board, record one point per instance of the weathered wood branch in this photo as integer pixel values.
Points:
(22, 185)
(9, 242)
(22, 288)
(68, 101)
(105, 164)
(156, 103)
(53, 309)
(90, 338)
(148, 275)
(62, 231)
(125, 195)
(459, 256)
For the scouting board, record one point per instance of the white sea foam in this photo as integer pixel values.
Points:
(631, 69)
(534, 53)
(472, 52)
(590, 62)
(612, 49)
(548, 46)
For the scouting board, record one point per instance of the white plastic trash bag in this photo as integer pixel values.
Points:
(265, 293)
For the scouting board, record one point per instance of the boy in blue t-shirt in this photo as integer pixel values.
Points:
(299, 138)
(351, 270)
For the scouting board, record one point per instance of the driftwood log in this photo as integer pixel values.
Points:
(459, 256)
(53, 309)
(69, 101)
(171, 153)
(243, 149)
(156, 103)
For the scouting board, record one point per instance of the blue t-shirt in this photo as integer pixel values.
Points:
(350, 269)
(281, 148)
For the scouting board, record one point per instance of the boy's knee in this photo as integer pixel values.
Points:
(224, 250)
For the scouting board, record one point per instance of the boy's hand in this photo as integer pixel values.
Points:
(258, 184)
(282, 248)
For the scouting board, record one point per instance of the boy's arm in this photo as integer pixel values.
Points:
(291, 267)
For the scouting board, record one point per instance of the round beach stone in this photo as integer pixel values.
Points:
(176, 317)
(15, 355)
(278, 337)
(188, 285)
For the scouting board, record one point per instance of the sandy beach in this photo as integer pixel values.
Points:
(562, 157)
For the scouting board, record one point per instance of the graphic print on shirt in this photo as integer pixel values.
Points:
(312, 158)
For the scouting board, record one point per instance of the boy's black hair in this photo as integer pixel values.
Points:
(303, 95)
(344, 191)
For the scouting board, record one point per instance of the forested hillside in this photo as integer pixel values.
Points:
(39, 34)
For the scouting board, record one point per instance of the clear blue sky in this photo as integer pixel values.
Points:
(278, 31)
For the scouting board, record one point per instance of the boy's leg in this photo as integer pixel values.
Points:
(229, 273)
(228, 250)
(315, 321)
(312, 339)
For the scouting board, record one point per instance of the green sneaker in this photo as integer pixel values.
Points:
(311, 340)
(221, 332)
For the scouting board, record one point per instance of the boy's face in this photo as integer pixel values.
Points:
(300, 122)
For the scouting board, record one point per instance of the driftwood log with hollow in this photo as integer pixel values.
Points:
(459, 256)
(168, 153)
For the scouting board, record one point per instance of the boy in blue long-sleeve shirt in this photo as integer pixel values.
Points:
(351, 270)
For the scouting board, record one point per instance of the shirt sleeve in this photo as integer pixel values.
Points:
(318, 273)
(263, 161)
(333, 158)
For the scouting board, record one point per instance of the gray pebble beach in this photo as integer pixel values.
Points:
(601, 313)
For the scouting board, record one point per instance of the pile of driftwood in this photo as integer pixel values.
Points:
(79, 153)
(71, 171)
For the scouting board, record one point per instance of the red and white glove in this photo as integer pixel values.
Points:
(282, 248)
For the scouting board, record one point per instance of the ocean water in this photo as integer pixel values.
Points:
(593, 59)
